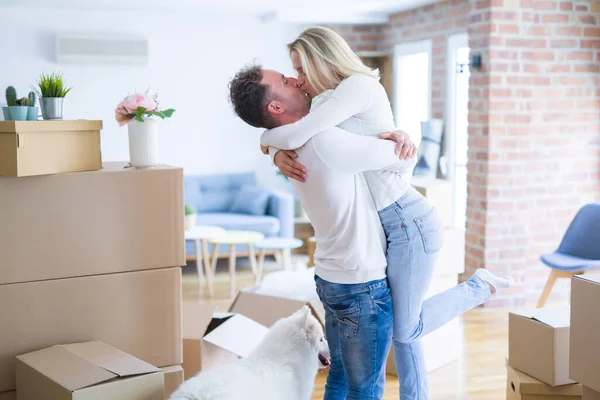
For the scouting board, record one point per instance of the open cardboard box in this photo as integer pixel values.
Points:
(137, 312)
(584, 364)
(213, 339)
(82, 371)
(267, 310)
(520, 386)
(538, 344)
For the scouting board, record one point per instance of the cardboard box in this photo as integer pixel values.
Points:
(86, 371)
(215, 339)
(89, 223)
(12, 395)
(439, 193)
(520, 386)
(585, 331)
(173, 379)
(538, 344)
(48, 147)
(590, 394)
(137, 312)
(267, 310)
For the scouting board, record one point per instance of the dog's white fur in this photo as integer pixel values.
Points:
(282, 367)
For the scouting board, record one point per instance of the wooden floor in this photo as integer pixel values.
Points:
(478, 375)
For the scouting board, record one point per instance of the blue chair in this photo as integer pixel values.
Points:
(579, 250)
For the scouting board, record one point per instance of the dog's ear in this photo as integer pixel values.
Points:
(305, 314)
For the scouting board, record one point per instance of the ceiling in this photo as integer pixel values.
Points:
(306, 11)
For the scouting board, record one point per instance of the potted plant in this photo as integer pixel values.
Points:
(11, 101)
(190, 217)
(19, 111)
(32, 112)
(140, 113)
(51, 90)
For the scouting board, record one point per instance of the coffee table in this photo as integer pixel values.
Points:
(233, 238)
(200, 235)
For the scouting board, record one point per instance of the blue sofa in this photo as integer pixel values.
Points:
(214, 195)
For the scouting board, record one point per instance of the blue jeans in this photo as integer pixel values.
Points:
(414, 236)
(358, 326)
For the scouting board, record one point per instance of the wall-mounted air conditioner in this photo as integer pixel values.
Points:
(101, 49)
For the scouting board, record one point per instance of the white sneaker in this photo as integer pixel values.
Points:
(496, 282)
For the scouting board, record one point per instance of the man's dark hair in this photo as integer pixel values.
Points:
(250, 98)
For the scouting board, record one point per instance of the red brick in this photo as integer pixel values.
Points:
(581, 7)
(370, 38)
(531, 68)
(509, 28)
(572, 80)
(581, 56)
(517, 118)
(566, 6)
(584, 19)
(366, 47)
(589, 104)
(560, 105)
(538, 55)
(540, 31)
(563, 43)
(531, 43)
(560, 68)
(525, 93)
(544, 5)
(363, 28)
(541, 80)
(567, 31)
(498, 92)
(594, 32)
(555, 19)
(587, 68)
(578, 92)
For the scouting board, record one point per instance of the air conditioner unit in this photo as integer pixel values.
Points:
(101, 49)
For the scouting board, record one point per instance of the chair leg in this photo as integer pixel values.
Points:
(554, 275)
(278, 257)
(261, 262)
(199, 265)
(232, 269)
(212, 269)
(287, 259)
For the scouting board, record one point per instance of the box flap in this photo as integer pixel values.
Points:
(267, 309)
(196, 318)
(553, 317)
(595, 278)
(110, 358)
(65, 368)
(238, 335)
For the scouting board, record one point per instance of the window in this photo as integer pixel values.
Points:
(412, 86)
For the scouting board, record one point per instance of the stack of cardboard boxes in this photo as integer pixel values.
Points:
(87, 256)
(554, 353)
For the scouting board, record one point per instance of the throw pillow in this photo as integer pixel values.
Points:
(252, 200)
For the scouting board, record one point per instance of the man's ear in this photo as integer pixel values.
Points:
(275, 108)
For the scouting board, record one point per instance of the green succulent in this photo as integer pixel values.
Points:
(11, 96)
(189, 210)
(32, 99)
(23, 102)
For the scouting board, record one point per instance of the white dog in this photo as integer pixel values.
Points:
(282, 367)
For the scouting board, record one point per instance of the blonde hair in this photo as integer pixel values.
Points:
(327, 59)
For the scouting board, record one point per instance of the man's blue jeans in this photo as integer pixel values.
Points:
(359, 325)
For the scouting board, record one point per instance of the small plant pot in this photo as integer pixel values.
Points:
(189, 221)
(18, 113)
(6, 113)
(143, 143)
(32, 114)
(52, 107)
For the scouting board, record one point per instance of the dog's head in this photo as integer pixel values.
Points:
(315, 336)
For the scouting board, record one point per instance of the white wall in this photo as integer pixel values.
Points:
(192, 58)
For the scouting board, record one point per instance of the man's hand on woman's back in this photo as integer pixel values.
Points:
(405, 148)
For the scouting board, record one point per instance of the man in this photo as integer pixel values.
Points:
(350, 258)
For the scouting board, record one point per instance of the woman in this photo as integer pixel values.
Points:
(355, 101)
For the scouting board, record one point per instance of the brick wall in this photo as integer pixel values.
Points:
(534, 122)
(534, 134)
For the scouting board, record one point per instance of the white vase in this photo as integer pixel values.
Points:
(189, 221)
(143, 143)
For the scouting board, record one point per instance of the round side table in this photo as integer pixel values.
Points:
(233, 238)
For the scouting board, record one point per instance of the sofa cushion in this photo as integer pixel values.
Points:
(264, 224)
(215, 193)
(251, 200)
